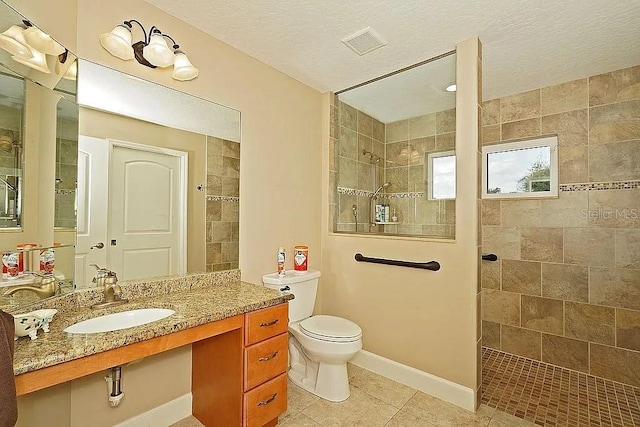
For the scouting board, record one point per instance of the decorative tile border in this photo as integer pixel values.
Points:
(366, 193)
(410, 195)
(592, 186)
(597, 186)
(65, 192)
(223, 199)
(354, 192)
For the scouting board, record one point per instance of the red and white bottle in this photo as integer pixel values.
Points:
(281, 260)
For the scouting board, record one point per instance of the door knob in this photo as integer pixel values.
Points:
(98, 245)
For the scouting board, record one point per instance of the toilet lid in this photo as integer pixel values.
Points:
(331, 328)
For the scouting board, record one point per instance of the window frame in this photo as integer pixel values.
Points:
(537, 142)
(429, 173)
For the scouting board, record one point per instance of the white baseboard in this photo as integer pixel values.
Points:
(441, 388)
(163, 415)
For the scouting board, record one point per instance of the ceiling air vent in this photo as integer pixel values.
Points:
(364, 41)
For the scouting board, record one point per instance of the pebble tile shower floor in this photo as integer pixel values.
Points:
(548, 395)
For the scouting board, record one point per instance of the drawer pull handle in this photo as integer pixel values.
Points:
(269, 400)
(265, 324)
(265, 358)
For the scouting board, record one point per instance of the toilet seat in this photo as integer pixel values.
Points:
(330, 328)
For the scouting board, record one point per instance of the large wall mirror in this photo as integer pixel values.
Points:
(394, 153)
(129, 175)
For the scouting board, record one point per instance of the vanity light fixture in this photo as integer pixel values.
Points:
(12, 40)
(29, 45)
(41, 41)
(72, 71)
(152, 51)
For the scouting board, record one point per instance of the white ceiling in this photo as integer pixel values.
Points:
(526, 44)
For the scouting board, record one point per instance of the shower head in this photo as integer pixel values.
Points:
(385, 185)
(373, 157)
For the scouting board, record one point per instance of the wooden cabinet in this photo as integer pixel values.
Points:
(265, 365)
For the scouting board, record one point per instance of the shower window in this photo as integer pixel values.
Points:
(521, 169)
(391, 138)
(441, 172)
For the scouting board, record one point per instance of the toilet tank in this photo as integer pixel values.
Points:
(303, 286)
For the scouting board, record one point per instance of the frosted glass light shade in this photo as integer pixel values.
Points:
(37, 62)
(72, 72)
(183, 69)
(118, 42)
(157, 52)
(13, 42)
(42, 41)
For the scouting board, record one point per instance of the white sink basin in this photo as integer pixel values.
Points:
(117, 321)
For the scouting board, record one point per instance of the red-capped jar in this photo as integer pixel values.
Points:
(300, 259)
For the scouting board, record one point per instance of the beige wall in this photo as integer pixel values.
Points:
(423, 319)
(567, 287)
(104, 125)
(83, 402)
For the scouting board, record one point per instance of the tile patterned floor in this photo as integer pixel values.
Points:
(548, 395)
(379, 401)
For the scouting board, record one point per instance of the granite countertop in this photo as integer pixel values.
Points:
(195, 304)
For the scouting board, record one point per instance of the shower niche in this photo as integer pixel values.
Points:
(385, 135)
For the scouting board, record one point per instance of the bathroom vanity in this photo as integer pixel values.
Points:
(238, 333)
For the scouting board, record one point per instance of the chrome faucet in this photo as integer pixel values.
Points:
(108, 280)
(47, 287)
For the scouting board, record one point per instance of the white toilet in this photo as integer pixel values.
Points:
(319, 346)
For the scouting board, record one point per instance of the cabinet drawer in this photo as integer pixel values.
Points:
(266, 402)
(266, 323)
(265, 360)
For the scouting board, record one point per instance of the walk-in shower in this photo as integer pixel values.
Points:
(384, 132)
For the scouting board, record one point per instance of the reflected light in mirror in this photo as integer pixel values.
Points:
(37, 62)
(13, 42)
(42, 41)
(72, 72)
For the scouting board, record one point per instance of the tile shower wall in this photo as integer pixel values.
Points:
(66, 172)
(357, 133)
(407, 144)
(401, 147)
(566, 289)
(223, 193)
(7, 165)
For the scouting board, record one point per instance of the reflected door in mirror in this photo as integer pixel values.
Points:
(142, 221)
